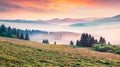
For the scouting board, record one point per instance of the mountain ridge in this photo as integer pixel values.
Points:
(56, 21)
(108, 20)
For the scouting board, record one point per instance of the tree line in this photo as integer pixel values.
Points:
(12, 33)
(87, 40)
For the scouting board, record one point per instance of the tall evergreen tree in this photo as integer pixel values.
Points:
(17, 34)
(77, 43)
(84, 40)
(102, 40)
(54, 42)
(14, 31)
(27, 36)
(91, 42)
(22, 36)
(9, 32)
(2, 30)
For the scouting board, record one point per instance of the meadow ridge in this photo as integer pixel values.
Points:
(54, 55)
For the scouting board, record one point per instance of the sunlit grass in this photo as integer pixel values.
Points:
(19, 53)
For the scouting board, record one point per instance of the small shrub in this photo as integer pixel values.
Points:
(117, 51)
(106, 48)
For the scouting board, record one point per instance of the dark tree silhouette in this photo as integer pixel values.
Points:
(95, 41)
(102, 40)
(45, 41)
(77, 43)
(71, 43)
(9, 32)
(83, 40)
(86, 40)
(54, 42)
(27, 36)
(17, 34)
(2, 30)
(22, 36)
(91, 42)
(14, 31)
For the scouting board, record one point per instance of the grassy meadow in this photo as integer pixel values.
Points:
(21, 53)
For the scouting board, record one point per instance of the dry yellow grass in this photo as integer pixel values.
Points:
(64, 49)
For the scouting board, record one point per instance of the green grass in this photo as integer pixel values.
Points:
(12, 55)
(107, 48)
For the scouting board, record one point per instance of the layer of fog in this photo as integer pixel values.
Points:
(110, 32)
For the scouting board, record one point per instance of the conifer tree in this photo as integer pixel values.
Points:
(2, 30)
(22, 36)
(9, 32)
(71, 43)
(17, 34)
(27, 36)
(77, 43)
(45, 41)
(102, 40)
(54, 42)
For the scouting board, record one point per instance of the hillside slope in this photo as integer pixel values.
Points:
(20, 53)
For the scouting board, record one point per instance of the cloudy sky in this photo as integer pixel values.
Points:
(48, 9)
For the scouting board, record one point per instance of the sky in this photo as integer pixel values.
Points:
(49, 9)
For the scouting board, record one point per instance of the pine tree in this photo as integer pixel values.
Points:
(17, 34)
(91, 42)
(54, 42)
(45, 41)
(77, 43)
(14, 31)
(95, 41)
(9, 32)
(102, 40)
(2, 30)
(27, 36)
(22, 36)
(84, 41)
(71, 43)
